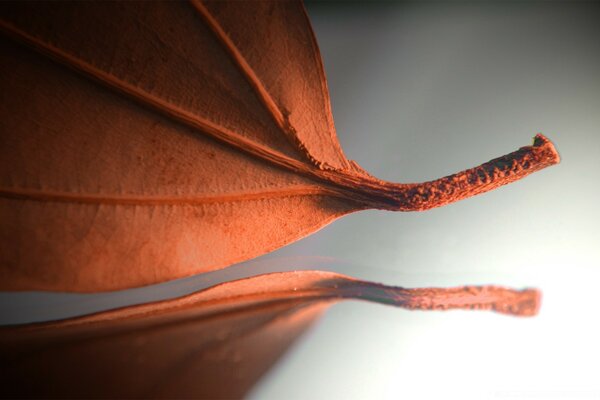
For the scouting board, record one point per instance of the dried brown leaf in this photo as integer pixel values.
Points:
(146, 141)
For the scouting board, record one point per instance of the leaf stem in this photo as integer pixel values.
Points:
(488, 176)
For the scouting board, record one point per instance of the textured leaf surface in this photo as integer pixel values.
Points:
(146, 141)
(212, 344)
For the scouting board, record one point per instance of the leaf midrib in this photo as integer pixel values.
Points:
(178, 114)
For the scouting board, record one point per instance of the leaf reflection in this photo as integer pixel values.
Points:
(215, 343)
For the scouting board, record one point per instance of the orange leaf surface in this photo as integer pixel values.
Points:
(147, 141)
(211, 344)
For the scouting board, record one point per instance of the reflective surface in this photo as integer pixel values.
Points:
(420, 91)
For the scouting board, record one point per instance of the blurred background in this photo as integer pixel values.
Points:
(419, 91)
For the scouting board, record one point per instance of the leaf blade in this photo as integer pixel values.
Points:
(148, 165)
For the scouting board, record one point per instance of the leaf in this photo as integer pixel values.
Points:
(147, 141)
(212, 344)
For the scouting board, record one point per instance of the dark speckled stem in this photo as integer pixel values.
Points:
(495, 173)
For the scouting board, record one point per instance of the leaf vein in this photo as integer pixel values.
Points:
(156, 103)
(255, 82)
(141, 200)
